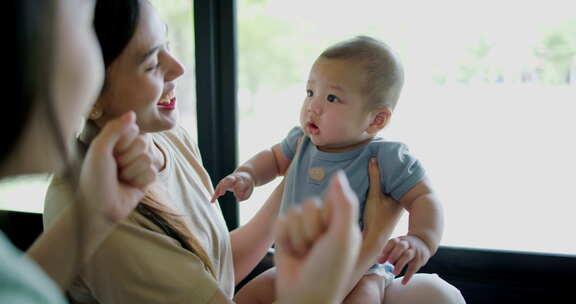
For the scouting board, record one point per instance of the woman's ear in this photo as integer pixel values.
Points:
(380, 119)
(96, 112)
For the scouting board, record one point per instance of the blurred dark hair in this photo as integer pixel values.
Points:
(115, 23)
(29, 57)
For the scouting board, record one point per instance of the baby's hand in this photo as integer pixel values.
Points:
(406, 250)
(240, 183)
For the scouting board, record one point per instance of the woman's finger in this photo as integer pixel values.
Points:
(111, 134)
(374, 174)
(295, 230)
(137, 147)
(280, 230)
(137, 167)
(125, 140)
(312, 223)
(145, 179)
(340, 197)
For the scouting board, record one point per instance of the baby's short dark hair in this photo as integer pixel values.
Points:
(384, 72)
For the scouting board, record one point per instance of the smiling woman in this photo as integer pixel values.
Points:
(140, 75)
(26, 193)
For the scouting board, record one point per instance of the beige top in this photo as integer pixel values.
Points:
(138, 263)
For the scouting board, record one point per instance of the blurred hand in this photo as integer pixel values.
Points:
(117, 170)
(318, 246)
(405, 251)
(240, 183)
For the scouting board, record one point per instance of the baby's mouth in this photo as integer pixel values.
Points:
(312, 128)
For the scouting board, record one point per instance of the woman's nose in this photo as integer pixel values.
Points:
(175, 69)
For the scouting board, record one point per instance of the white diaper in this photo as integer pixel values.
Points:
(384, 270)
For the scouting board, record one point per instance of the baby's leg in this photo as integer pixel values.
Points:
(370, 289)
(260, 290)
(423, 288)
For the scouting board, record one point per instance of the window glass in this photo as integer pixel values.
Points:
(487, 106)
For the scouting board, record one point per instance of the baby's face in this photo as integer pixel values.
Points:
(334, 112)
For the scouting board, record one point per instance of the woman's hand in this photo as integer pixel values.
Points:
(381, 213)
(103, 201)
(380, 217)
(117, 170)
(317, 247)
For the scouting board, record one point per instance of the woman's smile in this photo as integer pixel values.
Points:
(168, 102)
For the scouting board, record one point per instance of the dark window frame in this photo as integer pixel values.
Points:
(216, 86)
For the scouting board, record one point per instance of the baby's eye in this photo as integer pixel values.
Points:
(332, 98)
(309, 93)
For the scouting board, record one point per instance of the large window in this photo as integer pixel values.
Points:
(488, 104)
(27, 193)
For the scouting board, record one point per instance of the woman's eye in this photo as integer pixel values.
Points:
(309, 93)
(332, 98)
(153, 68)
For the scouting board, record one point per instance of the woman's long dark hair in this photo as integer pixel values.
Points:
(115, 23)
(31, 60)
(29, 57)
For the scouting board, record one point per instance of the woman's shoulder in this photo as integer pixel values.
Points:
(177, 133)
(179, 138)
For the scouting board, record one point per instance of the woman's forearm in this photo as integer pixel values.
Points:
(61, 249)
(251, 241)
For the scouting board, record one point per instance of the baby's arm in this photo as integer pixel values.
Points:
(258, 170)
(266, 165)
(425, 219)
(425, 227)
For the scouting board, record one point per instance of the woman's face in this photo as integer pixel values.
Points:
(77, 76)
(78, 72)
(142, 78)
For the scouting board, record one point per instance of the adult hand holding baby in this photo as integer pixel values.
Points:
(381, 213)
(380, 217)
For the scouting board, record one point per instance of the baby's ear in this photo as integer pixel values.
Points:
(380, 118)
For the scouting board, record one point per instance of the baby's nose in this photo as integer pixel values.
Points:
(316, 105)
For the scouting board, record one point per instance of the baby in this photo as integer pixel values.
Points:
(352, 90)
